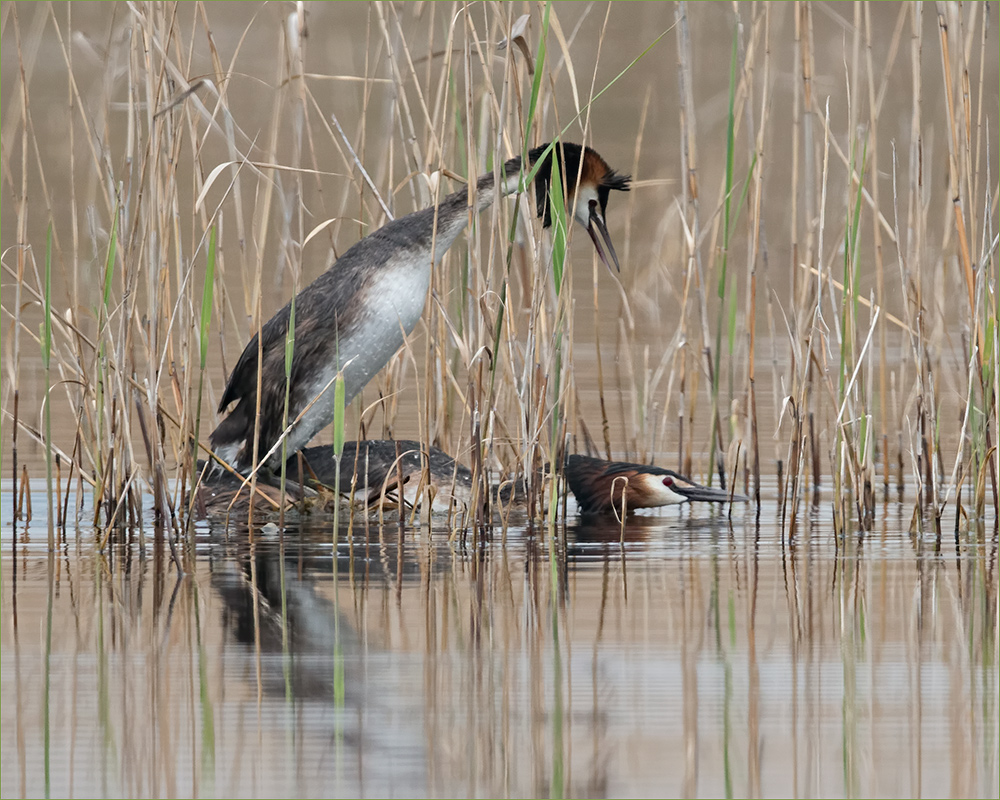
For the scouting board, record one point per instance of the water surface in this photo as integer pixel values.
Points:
(698, 656)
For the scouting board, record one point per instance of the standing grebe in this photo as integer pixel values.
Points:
(598, 486)
(356, 315)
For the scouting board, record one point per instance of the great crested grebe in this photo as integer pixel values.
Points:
(598, 486)
(370, 471)
(375, 468)
(355, 315)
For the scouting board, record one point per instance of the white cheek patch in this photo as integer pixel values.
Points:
(662, 493)
(581, 209)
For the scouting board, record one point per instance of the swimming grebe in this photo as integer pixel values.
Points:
(355, 315)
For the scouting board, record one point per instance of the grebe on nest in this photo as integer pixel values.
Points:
(371, 471)
(374, 469)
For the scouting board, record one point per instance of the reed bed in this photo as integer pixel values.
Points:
(209, 162)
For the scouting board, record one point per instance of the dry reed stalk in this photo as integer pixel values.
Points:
(755, 225)
(805, 44)
(877, 231)
(22, 257)
(693, 272)
(916, 225)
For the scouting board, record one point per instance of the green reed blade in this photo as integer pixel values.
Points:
(339, 407)
(557, 210)
(731, 127)
(289, 358)
(109, 264)
(206, 298)
(856, 225)
(207, 295)
(536, 84)
(559, 224)
(204, 700)
(727, 225)
(290, 342)
(849, 303)
(47, 319)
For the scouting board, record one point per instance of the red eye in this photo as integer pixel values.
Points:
(668, 481)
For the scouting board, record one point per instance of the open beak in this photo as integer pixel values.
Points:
(694, 492)
(596, 226)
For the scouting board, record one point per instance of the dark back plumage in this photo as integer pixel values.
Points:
(597, 485)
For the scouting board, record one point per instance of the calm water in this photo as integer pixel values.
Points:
(699, 657)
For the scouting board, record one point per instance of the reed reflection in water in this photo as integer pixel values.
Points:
(694, 657)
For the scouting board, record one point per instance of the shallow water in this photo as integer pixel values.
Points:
(701, 656)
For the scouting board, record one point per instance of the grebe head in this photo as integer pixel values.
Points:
(589, 182)
(598, 486)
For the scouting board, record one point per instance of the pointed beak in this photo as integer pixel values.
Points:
(695, 493)
(595, 226)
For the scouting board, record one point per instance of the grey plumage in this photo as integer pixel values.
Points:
(325, 313)
(355, 315)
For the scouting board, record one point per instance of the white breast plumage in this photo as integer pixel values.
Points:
(393, 304)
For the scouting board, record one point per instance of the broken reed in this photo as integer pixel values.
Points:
(493, 357)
